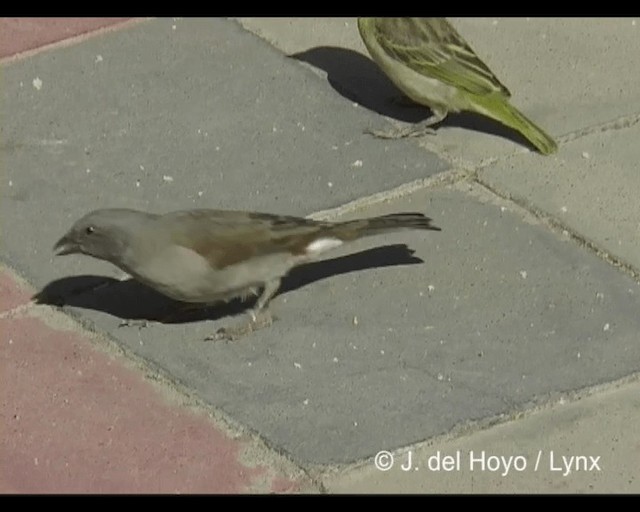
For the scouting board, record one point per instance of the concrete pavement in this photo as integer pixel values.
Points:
(499, 355)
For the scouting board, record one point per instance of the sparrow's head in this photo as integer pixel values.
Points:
(103, 234)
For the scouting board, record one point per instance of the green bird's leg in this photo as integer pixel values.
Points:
(415, 130)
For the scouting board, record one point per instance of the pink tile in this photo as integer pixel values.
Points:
(75, 420)
(21, 34)
(13, 293)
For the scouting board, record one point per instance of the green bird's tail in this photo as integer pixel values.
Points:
(501, 110)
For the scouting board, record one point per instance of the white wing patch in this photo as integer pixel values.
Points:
(322, 245)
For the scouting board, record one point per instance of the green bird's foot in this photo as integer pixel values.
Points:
(234, 332)
(414, 130)
(402, 133)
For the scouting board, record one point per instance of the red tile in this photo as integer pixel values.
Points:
(13, 293)
(75, 420)
(21, 34)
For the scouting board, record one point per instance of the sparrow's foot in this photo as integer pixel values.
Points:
(233, 332)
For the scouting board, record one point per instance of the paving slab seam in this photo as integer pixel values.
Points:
(433, 182)
(473, 168)
(18, 311)
(559, 227)
(462, 163)
(619, 123)
(161, 380)
(70, 41)
(540, 404)
(468, 167)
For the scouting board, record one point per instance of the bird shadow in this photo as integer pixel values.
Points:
(131, 300)
(359, 79)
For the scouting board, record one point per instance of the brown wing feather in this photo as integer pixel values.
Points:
(228, 237)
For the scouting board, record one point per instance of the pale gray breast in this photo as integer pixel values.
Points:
(184, 275)
(179, 273)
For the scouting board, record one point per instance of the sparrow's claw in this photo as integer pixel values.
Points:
(140, 324)
(258, 321)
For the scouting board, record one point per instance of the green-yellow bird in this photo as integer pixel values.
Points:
(433, 65)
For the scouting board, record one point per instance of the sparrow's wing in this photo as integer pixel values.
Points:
(432, 47)
(228, 237)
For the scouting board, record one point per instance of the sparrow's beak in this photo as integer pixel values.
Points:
(65, 246)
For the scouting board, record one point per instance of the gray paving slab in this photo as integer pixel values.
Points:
(592, 188)
(588, 446)
(502, 315)
(371, 351)
(155, 117)
(560, 72)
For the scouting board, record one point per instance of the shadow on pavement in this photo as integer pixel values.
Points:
(132, 300)
(359, 79)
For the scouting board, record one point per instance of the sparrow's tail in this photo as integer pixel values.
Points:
(354, 229)
(501, 110)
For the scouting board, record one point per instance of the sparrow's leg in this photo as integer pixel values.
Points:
(415, 130)
(269, 290)
(260, 316)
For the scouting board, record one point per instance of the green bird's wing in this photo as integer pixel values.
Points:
(432, 47)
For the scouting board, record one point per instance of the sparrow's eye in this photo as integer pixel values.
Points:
(89, 230)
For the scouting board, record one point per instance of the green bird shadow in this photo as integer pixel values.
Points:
(359, 79)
